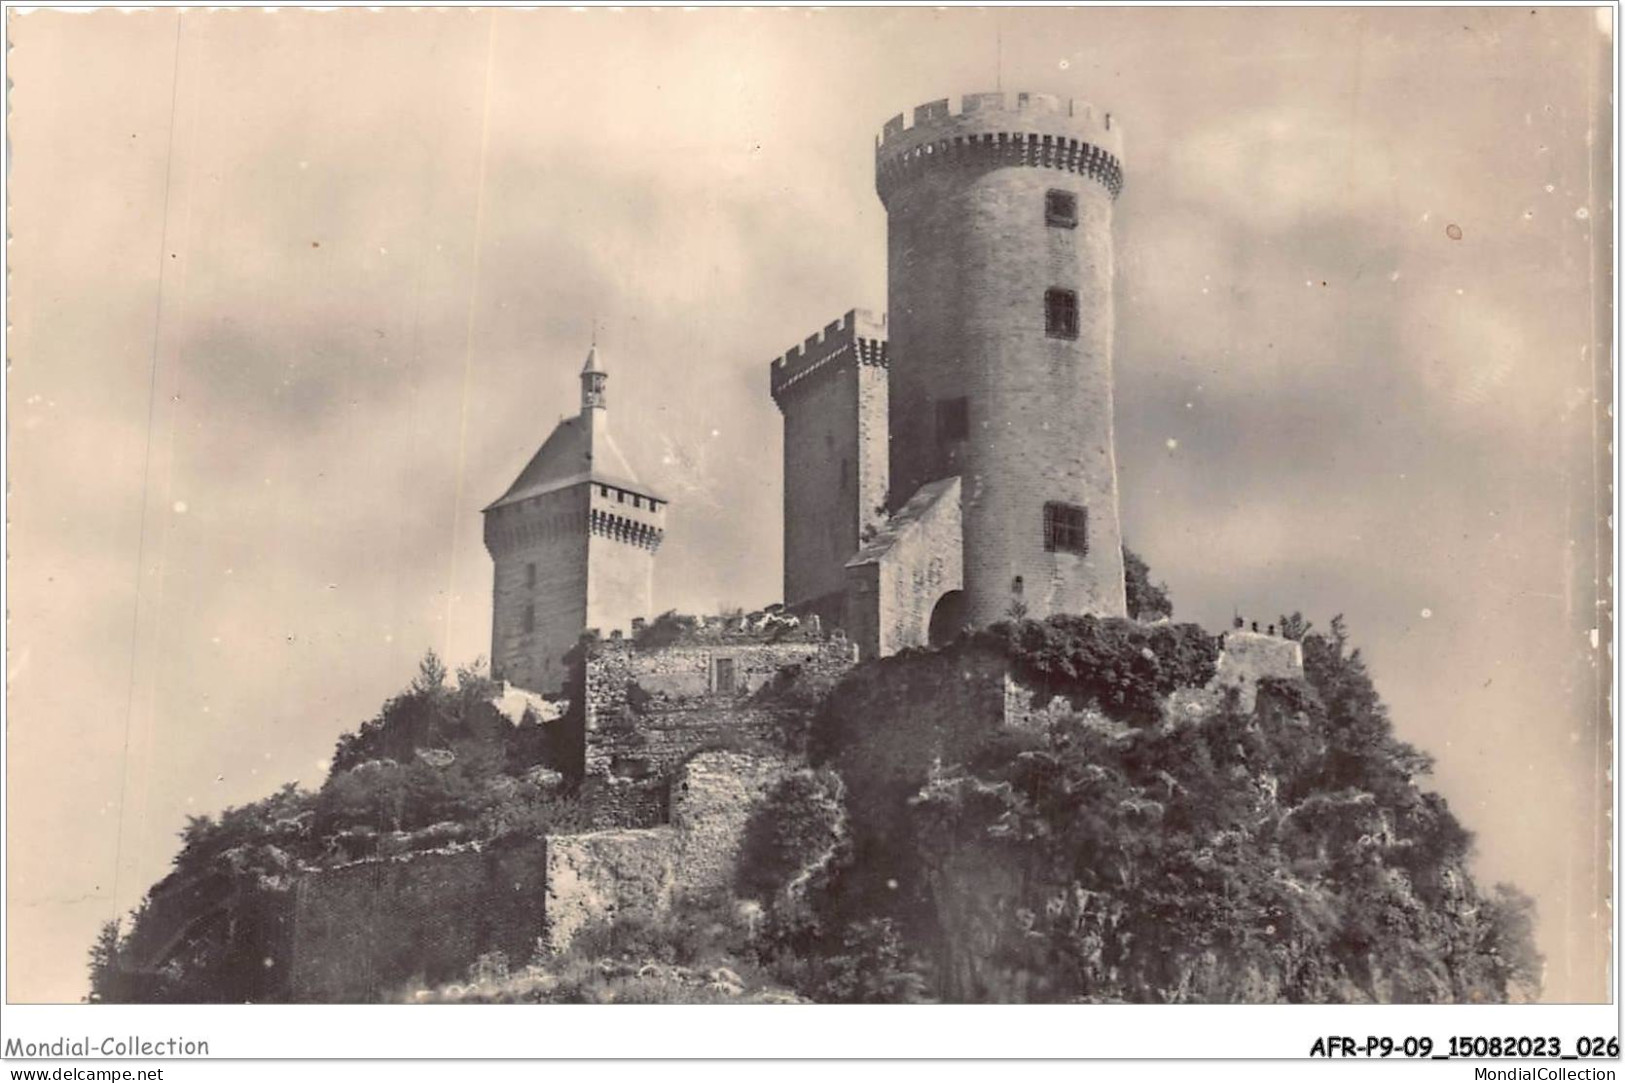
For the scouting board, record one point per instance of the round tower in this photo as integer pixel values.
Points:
(999, 242)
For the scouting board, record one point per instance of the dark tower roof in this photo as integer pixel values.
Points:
(579, 450)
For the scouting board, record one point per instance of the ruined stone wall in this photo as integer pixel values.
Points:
(646, 711)
(601, 875)
(1249, 657)
(365, 931)
(713, 796)
(598, 874)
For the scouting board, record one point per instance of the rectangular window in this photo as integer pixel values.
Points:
(1061, 313)
(953, 419)
(724, 675)
(1066, 528)
(1060, 209)
(530, 575)
(530, 617)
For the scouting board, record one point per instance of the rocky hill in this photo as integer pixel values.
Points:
(1140, 835)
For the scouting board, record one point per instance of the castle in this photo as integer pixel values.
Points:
(948, 464)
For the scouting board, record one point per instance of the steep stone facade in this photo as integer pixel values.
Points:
(832, 391)
(999, 289)
(539, 596)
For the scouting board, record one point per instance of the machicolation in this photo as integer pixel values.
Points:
(1041, 130)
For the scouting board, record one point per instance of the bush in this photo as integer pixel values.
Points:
(791, 833)
(1120, 666)
(1146, 600)
(873, 966)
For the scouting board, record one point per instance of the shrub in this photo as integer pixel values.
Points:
(1146, 600)
(1121, 666)
(791, 833)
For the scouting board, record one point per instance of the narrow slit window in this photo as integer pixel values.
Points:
(530, 575)
(1061, 313)
(530, 618)
(1060, 209)
(953, 419)
(1066, 528)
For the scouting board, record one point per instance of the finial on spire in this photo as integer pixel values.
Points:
(593, 378)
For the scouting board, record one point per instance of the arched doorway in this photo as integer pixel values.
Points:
(947, 618)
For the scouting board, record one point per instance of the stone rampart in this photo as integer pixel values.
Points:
(366, 931)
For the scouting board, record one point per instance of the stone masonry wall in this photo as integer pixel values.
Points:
(713, 797)
(646, 711)
(601, 875)
(365, 931)
(895, 581)
(1249, 657)
(625, 532)
(971, 254)
(539, 552)
(832, 392)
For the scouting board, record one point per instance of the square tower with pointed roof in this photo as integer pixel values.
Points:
(573, 542)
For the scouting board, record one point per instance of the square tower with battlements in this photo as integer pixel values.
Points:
(573, 541)
(832, 391)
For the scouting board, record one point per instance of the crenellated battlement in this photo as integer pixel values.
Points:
(859, 332)
(623, 528)
(1039, 130)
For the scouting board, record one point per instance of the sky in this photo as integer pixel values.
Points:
(294, 295)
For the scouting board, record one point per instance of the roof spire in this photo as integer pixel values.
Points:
(593, 378)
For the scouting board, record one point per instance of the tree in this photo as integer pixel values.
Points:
(108, 984)
(1146, 600)
(1510, 941)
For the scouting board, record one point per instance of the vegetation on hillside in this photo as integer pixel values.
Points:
(1143, 840)
(1146, 600)
(1286, 854)
(438, 767)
